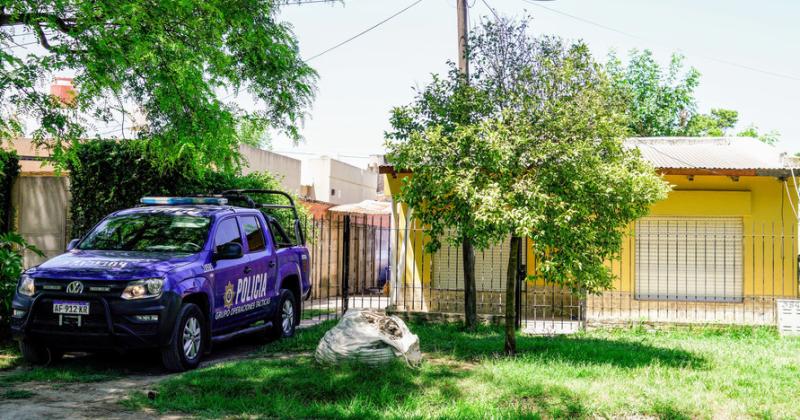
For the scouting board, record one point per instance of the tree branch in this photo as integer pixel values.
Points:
(34, 19)
(42, 37)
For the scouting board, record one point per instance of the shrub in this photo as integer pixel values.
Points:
(106, 176)
(12, 246)
(9, 169)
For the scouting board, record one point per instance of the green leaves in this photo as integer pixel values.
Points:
(12, 248)
(164, 58)
(659, 101)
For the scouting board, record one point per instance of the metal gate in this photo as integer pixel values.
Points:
(349, 264)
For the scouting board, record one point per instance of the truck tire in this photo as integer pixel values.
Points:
(284, 320)
(188, 340)
(36, 354)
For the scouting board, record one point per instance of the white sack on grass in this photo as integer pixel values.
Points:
(370, 337)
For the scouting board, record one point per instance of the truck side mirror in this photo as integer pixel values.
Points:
(229, 251)
(72, 244)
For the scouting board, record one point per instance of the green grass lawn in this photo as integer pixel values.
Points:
(680, 373)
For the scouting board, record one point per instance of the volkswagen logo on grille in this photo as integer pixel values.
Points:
(75, 287)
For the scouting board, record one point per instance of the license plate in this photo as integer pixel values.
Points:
(70, 308)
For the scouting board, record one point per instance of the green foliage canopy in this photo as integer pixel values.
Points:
(166, 58)
(544, 160)
(661, 102)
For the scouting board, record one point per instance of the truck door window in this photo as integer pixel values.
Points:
(253, 233)
(279, 236)
(227, 232)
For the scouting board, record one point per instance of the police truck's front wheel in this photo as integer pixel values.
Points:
(188, 340)
(36, 354)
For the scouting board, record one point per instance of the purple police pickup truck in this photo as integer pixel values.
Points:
(175, 274)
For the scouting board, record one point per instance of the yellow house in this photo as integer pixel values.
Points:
(721, 248)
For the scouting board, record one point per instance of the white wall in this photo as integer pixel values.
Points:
(337, 182)
(286, 169)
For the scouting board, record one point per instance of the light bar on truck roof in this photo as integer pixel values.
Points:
(183, 200)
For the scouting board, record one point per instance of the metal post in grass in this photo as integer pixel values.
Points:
(345, 263)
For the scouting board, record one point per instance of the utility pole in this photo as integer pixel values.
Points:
(463, 64)
(467, 248)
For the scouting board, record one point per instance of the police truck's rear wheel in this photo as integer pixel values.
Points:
(36, 354)
(285, 318)
(188, 340)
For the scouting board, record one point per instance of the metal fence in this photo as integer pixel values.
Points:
(670, 270)
(349, 264)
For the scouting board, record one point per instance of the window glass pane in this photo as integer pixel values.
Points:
(149, 232)
(254, 234)
(279, 235)
(228, 232)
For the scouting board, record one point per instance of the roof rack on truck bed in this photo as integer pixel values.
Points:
(243, 196)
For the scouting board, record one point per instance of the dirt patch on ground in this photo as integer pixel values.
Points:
(93, 400)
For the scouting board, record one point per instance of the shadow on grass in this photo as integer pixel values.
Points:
(299, 387)
(551, 401)
(488, 341)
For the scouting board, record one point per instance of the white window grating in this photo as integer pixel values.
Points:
(491, 265)
(689, 259)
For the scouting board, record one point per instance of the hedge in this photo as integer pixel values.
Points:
(9, 169)
(106, 176)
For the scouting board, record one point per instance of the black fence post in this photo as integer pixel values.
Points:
(522, 274)
(345, 263)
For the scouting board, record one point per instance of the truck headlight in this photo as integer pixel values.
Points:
(141, 289)
(26, 285)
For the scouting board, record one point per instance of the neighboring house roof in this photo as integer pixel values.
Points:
(32, 160)
(713, 154)
(370, 207)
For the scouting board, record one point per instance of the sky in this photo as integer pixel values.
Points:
(747, 52)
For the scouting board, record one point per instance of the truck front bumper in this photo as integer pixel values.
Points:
(112, 323)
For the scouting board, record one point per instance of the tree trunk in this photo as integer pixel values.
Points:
(511, 294)
(470, 300)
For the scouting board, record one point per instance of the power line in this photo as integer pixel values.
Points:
(23, 45)
(630, 35)
(491, 9)
(302, 2)
(365, 30)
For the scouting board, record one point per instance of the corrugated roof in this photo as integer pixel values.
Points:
(365, 207)
(709, 153)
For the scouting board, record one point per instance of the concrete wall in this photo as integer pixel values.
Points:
(337, 182)
(41, 206)
(285, 168)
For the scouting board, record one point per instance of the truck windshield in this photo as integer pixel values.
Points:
(149, 232)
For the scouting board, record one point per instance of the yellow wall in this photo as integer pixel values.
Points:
(769, 266)
(770, 228)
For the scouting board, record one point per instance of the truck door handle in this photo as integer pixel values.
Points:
(247, 269)
(271, 264)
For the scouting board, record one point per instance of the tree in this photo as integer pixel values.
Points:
(770, 137)
(659, 102)
(540, 157)
(714, 124)
(166, 58)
